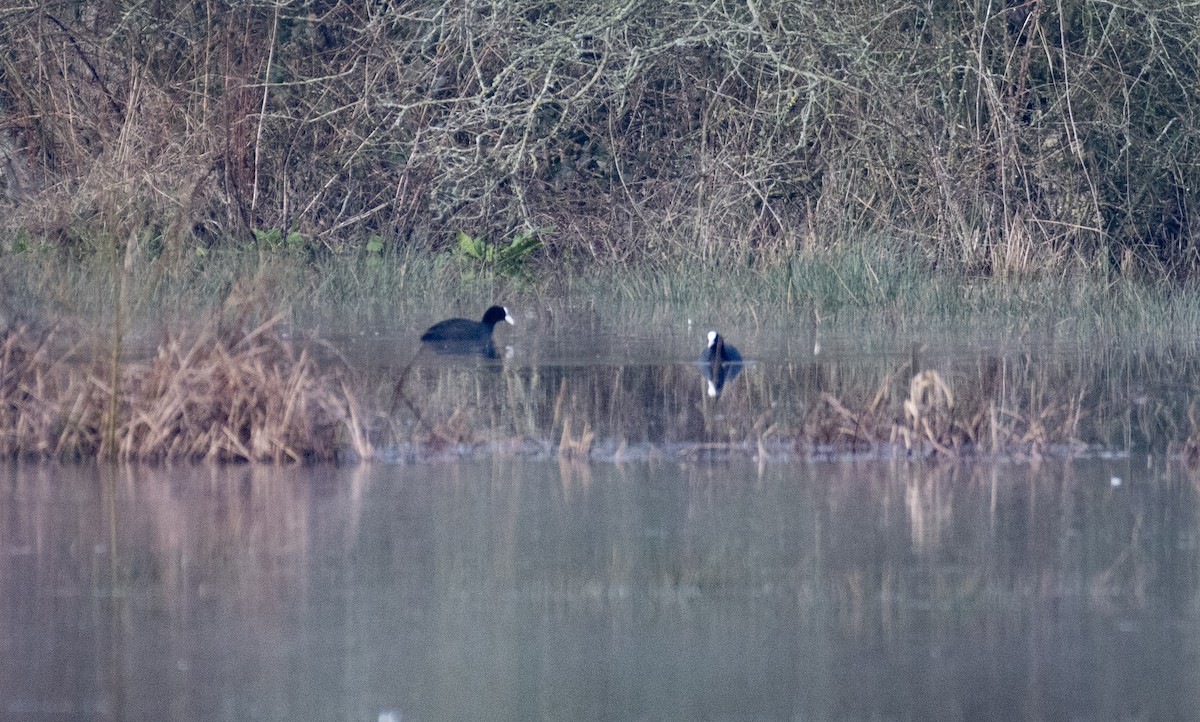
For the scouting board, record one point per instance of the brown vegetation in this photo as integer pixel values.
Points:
(995, 137)
(228, 391)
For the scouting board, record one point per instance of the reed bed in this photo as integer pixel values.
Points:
(235, 389)
(227, 391)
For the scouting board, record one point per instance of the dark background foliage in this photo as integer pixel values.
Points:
(993, 137)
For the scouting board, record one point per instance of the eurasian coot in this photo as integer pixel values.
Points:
(720, 363)
(463, 336)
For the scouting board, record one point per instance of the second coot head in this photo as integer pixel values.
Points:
(720, 363)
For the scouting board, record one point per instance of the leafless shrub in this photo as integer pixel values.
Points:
(999, 138)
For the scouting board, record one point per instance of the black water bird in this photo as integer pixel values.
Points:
(720, 363)
(465, 337)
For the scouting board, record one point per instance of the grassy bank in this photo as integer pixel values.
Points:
(868, 285)
(241, 358)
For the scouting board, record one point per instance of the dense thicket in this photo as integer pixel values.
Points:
(996, 137)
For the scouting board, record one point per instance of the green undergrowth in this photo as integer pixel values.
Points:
(865, 286)
(845, 291)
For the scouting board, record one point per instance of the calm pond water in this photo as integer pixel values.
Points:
(519, 588)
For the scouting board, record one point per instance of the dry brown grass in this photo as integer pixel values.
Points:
(227, 391)
(570, 447)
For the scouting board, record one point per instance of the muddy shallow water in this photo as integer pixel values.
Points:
(518, 588)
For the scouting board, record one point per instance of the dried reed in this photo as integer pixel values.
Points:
(229, 391)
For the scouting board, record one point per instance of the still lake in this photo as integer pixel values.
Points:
(523, 588)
